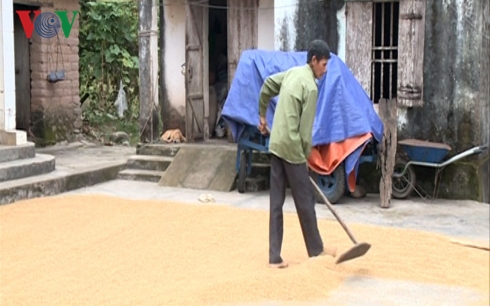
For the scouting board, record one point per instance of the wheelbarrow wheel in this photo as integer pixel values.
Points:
(402, 187)
(242, 172)
(333, 186)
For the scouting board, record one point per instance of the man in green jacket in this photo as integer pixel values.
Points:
(290, 146)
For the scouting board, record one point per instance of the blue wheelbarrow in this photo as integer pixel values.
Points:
(425, 154)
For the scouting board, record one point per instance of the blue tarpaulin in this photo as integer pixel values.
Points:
(344, 110)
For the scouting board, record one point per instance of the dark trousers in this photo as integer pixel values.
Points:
(297, 176)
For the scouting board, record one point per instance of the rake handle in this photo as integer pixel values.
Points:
(327, 202)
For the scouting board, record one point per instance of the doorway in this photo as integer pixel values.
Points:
(218, 65)
(22, 48)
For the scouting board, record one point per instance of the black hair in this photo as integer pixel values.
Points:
(319, 49)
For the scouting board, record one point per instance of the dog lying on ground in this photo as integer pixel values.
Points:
(173, 136)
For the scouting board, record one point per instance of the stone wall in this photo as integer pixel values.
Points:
(55, 107)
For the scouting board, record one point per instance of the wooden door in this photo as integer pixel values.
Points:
(196, 65)
(359, 31)
(243, 29)
(410, 91)
(22, 76)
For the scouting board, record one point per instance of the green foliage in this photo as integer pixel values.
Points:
(108, 54)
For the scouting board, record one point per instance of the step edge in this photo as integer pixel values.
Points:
(38, 159)
(156, 158)
(141, 171)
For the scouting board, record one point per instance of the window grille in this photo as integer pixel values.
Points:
(384, 58)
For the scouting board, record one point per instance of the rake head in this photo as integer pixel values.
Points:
(356, 251)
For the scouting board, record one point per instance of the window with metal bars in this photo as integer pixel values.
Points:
(384, 70)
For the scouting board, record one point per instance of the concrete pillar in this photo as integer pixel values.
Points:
(8, 133)
(148, 59)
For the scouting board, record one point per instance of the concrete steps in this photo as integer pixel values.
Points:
(147, 167)
(17, 162)
(152, 162)
(149, 162)
(140, 175)
(11, 153)
(27, 174)
(169, 150)
(27, 167)
(61, 180)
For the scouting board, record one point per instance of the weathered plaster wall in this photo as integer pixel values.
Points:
(314, 20)
(451, 68)
(342, 28)
(456, 85)
(284, 30)
(55, 107)
(456, 109)
(485, 101)
(317, 20)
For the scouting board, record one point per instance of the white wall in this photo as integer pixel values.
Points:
(175, 54)
(266, 25)
(7, 67)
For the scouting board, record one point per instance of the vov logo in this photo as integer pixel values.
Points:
(47, 24)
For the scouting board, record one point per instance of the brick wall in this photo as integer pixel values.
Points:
(55, 107)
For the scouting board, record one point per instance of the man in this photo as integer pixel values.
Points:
(290, 145)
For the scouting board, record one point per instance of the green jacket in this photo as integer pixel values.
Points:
(291, 135)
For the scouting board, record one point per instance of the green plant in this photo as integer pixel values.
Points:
(108, 54)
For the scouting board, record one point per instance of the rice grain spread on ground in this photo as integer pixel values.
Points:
(100, 250)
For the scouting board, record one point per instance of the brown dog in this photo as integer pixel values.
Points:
(173, 136)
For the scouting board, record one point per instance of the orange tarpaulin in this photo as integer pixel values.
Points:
(325, 159)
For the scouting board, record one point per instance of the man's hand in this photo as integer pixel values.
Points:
(263, 126)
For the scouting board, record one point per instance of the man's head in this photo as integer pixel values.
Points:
(318, 56)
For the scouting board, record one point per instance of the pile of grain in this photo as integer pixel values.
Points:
(101, 250)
